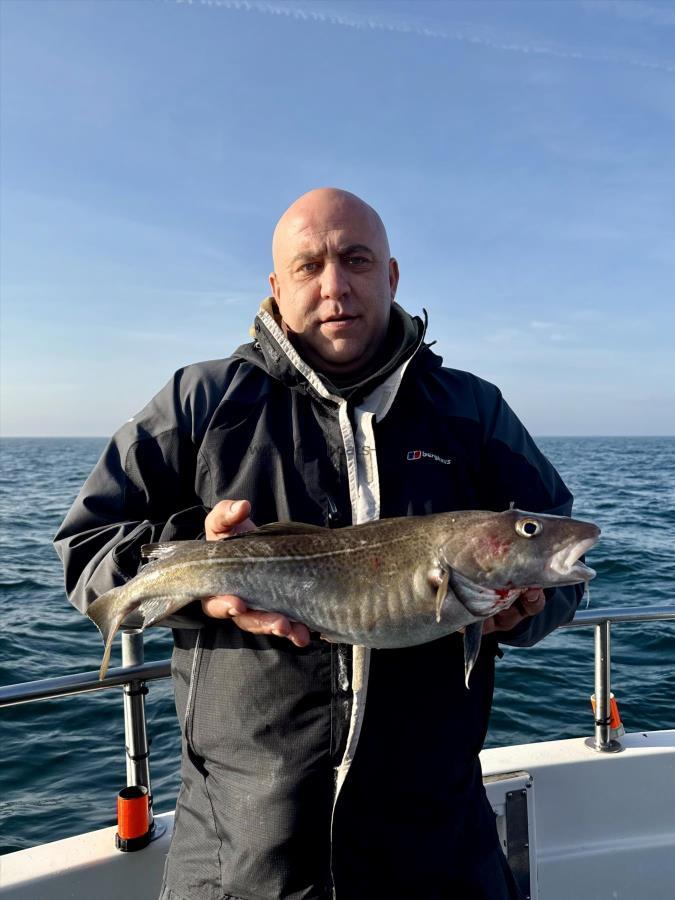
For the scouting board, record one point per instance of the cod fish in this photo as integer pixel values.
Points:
(388, 583)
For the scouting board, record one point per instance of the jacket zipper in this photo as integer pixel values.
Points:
(193, 673)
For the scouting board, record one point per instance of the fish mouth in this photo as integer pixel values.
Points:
(566, 563)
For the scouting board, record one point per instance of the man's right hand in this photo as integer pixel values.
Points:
(230, 517)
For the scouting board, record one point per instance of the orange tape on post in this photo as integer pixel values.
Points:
(133, 816)
(615, 723)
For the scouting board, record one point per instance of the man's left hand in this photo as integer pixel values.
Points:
(529, 603)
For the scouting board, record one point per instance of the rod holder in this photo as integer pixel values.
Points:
(135, 732)
(602, 740)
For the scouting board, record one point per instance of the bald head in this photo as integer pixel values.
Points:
(314, 210)
(333, 279)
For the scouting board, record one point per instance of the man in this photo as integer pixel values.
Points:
(293, 785)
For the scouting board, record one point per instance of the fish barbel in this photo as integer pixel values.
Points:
(388, 583)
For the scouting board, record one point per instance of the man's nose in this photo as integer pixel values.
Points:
(334, 281)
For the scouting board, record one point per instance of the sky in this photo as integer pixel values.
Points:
(521, 155)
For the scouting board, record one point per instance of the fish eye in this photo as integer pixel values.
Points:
(529, 527)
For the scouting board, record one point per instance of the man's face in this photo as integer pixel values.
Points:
(334, 281)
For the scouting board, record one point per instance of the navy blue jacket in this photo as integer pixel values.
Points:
(264, 723)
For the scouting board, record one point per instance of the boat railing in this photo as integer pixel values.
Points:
(134, 673)
(602, 620)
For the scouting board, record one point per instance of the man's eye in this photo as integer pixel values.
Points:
(356, 261)
(309, 267)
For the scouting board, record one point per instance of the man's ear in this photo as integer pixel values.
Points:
(393, 277)
(274, 285)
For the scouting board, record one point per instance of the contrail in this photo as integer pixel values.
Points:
(330, 17)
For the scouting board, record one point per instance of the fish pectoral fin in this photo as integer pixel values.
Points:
(445, 595)
(472, 638)
(442, 593)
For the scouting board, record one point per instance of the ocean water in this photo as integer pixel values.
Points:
(63, 760)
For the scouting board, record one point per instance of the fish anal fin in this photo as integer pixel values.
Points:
(155, 609)
(472, 638)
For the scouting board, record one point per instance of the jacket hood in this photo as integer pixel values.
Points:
(273, 352)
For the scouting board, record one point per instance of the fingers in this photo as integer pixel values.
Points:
(230, 517)
(226, 518)
(255, 621)
(224, 606)
(532, 602)
(503, 621)
(528, 604)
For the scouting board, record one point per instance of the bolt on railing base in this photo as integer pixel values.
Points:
(611, 746)
(157, 830)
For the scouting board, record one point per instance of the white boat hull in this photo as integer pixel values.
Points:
(599, 827)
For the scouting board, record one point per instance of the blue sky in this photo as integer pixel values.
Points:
(522, 156)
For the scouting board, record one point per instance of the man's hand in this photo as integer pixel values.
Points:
(230, 517)
(528, 604)
(227, 518)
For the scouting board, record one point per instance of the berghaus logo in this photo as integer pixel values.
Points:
(413, 455)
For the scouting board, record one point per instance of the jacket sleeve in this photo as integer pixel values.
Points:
(141, 490)
(516, 471)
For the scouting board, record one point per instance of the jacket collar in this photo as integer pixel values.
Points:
(273, 352)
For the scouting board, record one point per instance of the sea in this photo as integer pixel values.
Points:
(63, 761)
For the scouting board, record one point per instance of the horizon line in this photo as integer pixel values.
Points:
(104, 437)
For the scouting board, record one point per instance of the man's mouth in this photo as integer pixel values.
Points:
(335, 323)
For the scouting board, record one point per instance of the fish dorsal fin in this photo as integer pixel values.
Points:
(163, 549)
(286, 528)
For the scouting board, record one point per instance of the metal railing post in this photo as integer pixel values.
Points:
(602, 740)
(135, 732)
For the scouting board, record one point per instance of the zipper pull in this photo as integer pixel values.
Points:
(333, 517)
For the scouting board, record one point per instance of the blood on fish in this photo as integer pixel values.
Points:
(497, 547)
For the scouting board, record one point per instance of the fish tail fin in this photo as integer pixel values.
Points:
(472, 638)
(107, 613)
(105, 662)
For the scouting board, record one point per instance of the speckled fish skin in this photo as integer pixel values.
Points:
(389, 583)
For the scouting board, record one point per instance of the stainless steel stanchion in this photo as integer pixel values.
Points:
(602, 740)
